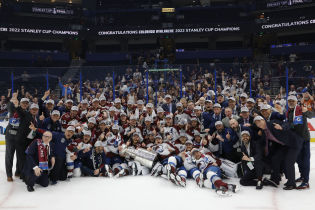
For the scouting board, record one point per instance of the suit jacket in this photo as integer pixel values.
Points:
(255, 151)
(286, 136)
(166, 107)
(25, 120)
(32, 157)
(242, 122)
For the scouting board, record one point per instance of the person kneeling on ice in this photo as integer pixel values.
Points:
(93, 161)
(38, 156)
(135, 143)
(74, 147)
(188, 168)
(211, 172)
(113, 146)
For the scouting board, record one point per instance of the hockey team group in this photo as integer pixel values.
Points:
(177, 140)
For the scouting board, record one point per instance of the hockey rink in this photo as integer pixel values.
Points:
(147, 192)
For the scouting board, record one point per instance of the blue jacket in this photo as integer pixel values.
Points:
(92, 160)
(277, 116)
(60, 142)
(49, 125)
(206, 119)
(227, 145)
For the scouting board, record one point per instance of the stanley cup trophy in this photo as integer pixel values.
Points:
(143, 156)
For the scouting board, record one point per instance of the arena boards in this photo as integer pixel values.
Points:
(3, 125)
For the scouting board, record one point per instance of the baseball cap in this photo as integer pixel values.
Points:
(216, 105)
(34, 106)
(55, 112)
(243, 95)
(258, 118)
(292, 98)
(87, 133)
(245, 132)
(251, 100)
(25, 100)
(71, 128)
(218, 123)
(69, 101)
(74, 108)
(50, 101)
(92, 120)
(244, 109)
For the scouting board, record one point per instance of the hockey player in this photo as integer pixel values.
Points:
(113, 145)
(164, 151)
(169, 131)
(94, 161)
(69, 116)
(188, 168)
(209, 166)
(136, 167)
(74, 147)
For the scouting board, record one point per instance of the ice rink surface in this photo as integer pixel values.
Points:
(143, 193)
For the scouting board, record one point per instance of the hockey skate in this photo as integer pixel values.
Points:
(121, 173)
(172, 178)
(134, 169)
(157, 170)
(199, 180)
(233, 188)
(170, 169)
(108, 171)
(69, 175)
(180, 181)
(222, 191)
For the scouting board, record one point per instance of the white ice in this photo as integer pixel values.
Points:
(143, 193)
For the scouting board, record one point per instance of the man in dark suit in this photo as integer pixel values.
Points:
(279, 145)
(245, 118)
(24, 134)
(11, 139)
(297, 120)
(252, 166)
(38, 156)
(169, 106)
(269, 115)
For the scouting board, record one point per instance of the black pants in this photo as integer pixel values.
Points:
(250, 177)
(10, 148)
(59, 172)
(21, 146)
(304, 160)
(233, 156)
(274, 159)
(291, 156)
(30, 179)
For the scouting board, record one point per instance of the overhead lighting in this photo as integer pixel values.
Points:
(168, 9)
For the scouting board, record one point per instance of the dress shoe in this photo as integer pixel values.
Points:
(289, 187)
(10, 179)
(303, 186)
(270, 182)
(30, 188)
(259, 185)
(300, 179)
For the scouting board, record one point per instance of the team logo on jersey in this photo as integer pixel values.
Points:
(63, 140)
(159, 150)
(298, 120)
